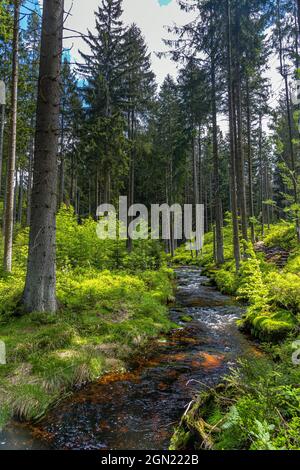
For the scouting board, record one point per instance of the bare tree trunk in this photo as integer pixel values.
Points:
(62, 162)
(2, 123)
(9, 208)
(167, 246)
(97, 190)
(40, 287)
(20, 198)
(250, 166)
(131, 132)
(298, 5)
(75, 195)
(284, 74)
(233, 183)
(200, 175)
(72, 179)
(262, 169)
(30, 171)
(267, 186)
(240, 159)
(196, 177)
(90, 199)
(297, 35)
(217, 193)
(16, 193)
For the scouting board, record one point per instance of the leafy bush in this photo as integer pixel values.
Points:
(226, 279)
(184, 257)
(281, 235)
(284, 291)
(249, 281)
(11, 287)
(293, 265)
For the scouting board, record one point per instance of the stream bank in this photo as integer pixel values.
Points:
(139, 409)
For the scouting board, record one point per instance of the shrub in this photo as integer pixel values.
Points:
(226, 280)
(293, 265)
(284, 291)
(250, 285)
(281, 235)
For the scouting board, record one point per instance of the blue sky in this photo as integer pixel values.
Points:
(164, 2)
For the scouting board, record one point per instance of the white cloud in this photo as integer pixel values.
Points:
(147, 14)
(152, 19)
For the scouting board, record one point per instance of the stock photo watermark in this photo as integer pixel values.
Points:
(295, 93)
(296, 354)
(2, 353)
(161, 222)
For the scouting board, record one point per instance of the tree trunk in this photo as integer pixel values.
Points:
(284, 74)
(29, 184)
(240, 151)
(217, 195)
(16, 193)
(20, 198)
(196, 177)
(250, 166)
(200, 173)
(2, 123)
(62, 162)
(233, 183)
(262, 179)
(298, 5)
(40, 287)
(9, 208)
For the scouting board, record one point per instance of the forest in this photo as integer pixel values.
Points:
(137, 342)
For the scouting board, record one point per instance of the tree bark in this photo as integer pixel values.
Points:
(250, 165)
(217, 195)
(20, 198)
(62, 161)
(11, 167)
(284, 74)
(233, 184)
(240, 151)
(262, 179)
(40, 287)
(298, 5)
(29, 184)
(2, 123)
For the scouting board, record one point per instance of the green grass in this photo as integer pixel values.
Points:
(111, 304)
(104, 317)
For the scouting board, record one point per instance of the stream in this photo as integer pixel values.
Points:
(140, 408)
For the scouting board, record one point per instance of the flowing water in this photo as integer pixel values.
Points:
(139, 409)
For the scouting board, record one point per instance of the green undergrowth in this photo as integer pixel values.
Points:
(272, 296)
(256, 408)
(258, 405)
(184, 257)
(104, 318)
(105, 315)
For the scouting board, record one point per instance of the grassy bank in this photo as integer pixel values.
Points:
(106, 314)
(258, 406)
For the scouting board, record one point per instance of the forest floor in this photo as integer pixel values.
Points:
(109, 313)
(111, 305)
(257, 407)
(109, 317)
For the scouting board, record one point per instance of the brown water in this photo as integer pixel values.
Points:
(139, 409)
